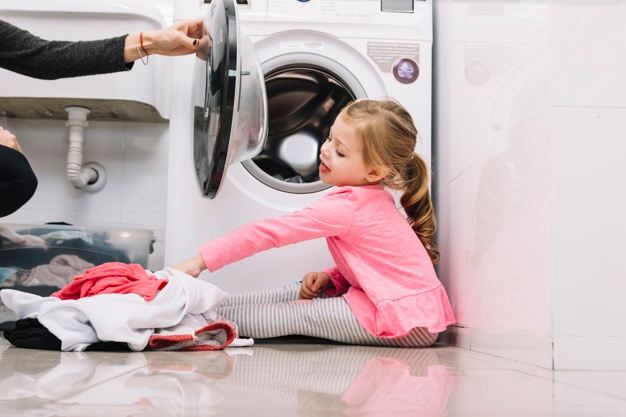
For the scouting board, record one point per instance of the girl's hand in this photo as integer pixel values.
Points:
(313, 284)
(191, 267)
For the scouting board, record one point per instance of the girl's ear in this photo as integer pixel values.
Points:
(377, 173)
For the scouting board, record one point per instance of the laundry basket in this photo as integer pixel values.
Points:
(41, 259)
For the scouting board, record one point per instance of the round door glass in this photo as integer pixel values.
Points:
(226, 128)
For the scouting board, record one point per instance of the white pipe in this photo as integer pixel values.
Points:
(78, 175)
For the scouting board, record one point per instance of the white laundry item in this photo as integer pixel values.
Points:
(25, 305)
(242, 342)
(183, 311)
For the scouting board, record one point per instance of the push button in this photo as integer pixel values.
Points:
(397, 6)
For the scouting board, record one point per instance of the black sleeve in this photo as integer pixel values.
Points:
(17, 180)
(27, 54)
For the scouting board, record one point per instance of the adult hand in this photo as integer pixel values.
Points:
(313, 284)
(179, 39)
(9, 139)
(193, 266)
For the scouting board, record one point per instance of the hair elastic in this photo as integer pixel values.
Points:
(140, 47)
(141, 43)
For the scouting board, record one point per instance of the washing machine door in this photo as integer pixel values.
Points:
(229, 99)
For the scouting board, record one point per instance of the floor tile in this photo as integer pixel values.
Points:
(297, 378)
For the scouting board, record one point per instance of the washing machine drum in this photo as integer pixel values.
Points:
(229, 99)
(303, 103)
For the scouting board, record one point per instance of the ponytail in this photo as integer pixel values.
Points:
(418, 205)
(389, 138)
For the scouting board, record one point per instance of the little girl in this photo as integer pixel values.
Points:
(383, 289)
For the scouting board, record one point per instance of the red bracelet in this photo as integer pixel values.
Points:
(141, 43)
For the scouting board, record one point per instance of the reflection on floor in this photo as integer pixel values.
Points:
(297, 378)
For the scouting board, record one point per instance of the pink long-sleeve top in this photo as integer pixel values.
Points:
(382, 269)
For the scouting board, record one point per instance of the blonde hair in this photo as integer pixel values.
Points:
(389, 138)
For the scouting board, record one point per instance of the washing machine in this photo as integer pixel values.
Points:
(252, 109)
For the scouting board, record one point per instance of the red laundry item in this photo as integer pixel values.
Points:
(113, 278)
(216, 335)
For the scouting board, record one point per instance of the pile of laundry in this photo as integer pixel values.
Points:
(117, 306)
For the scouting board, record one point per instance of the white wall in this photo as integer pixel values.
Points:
(528, 121)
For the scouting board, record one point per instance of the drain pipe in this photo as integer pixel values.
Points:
(90, 177)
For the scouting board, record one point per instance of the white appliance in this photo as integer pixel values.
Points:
(313, 58)
(492, 123)
(529, 116)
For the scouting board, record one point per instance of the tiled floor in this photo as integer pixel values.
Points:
(297, 379)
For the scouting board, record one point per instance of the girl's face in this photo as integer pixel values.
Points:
(342, 157)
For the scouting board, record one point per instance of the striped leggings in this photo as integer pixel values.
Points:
(279, 312)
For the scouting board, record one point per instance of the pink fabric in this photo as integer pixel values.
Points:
(218, 335)
(381, 266)
(112, 278)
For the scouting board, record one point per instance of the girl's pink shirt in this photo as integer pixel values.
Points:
(382, 269)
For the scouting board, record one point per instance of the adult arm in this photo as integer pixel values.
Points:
(27, 54)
